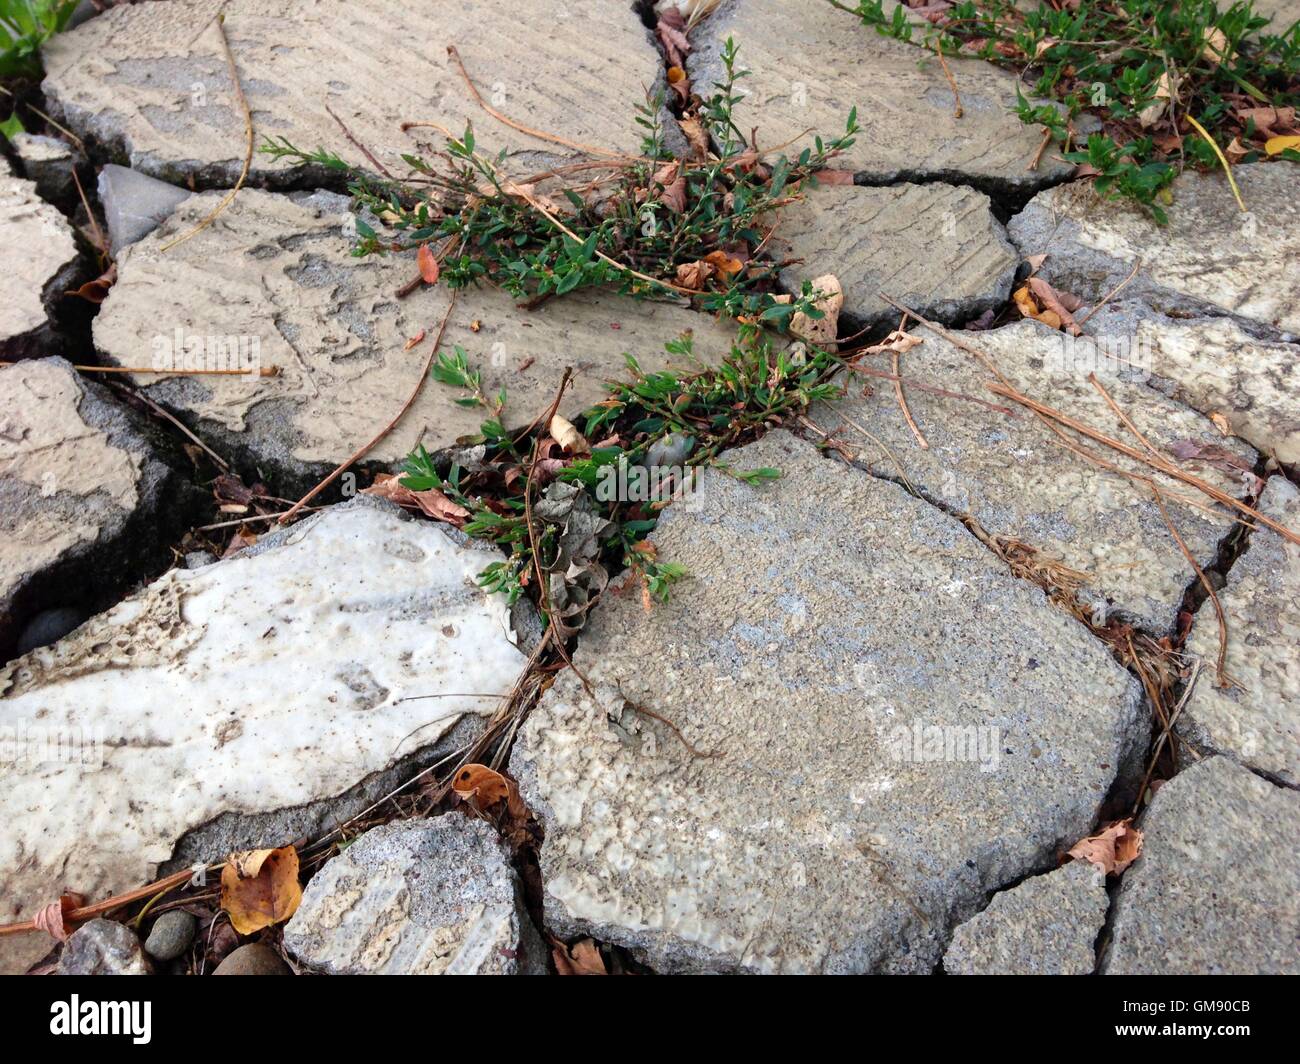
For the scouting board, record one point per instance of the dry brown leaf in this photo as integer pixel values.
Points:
(822, 331)
(1214, 49)
(568, 437)
(260, 888)
(673, 184)
(96, 291)
(895, 341)
(696, 137)
(582, 958)
(725, 264)
(1222, 424)
(694, 275)
(1059, 303)
(413, 340)
(1113, 850)
(1267, 119)
(53, 918)
(430, 502)
(428, 264)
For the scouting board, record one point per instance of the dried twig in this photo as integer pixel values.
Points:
(1223, 159)
(1111, 294)
(365, 448)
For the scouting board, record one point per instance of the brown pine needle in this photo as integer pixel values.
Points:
(248, 148)
(957, 108)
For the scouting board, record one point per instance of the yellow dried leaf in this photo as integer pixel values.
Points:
(260, 888)
(1277, 145)
(568, 437)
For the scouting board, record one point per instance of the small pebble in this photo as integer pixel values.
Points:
(170, 935)
(253, 959)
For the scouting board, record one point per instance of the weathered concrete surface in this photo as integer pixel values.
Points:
(1216, 367)
(267, 682)
(275, 274)
(1047, 925)
(41, 260)
(49, 164)
(1257, 723)
(1012, 474)
(1210, 258)
(422, 897)
(149, 83)
(825, 615)
(1217, 888)
(85, 500)
(936, 248)
(134, 204)
(810, 64)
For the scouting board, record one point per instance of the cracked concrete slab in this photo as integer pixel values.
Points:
(810, 64)
(85, 496)
(934, 247)
(1010, 472)
(292, 663)
(899, 727)
(1210, 259)
(1258, 722)
(1047, 925)
(416, 897)
(149, 83)
(41, 261)
(273, 282)
(1217, 888)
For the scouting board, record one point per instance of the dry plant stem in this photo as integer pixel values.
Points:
(89, 912)
(359, 146)
(100, 243)
(1223, 160)
(902, 399)
(265, 371)
(172, 420)
(957, 108)
(1166, 732)
(669, 724)
(248, 148)
(911, 382)
(1223, 679)
(1081, 322)
(1009, 391)
(575, 145)
(1042, 147)
(365, 448)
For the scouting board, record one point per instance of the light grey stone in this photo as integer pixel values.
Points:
(277, 277)
(261, 687)
(1048, 925)
(1217, 888)
(1010, 472)
(252, 959)
(422, 897)
(149, 83)
(41, 261)
(1210, 259)
(171, 935)
(935, 248)
(48, 163)
(134, 204)
(87, 500)
(825, 617)
(102, 947)
(1255, 719)
(811, 63)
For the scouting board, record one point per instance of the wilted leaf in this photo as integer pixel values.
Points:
(822, 331)
(1214, 49)
(1266, 118)
(428, 264)
(53, 918)
(696, 137)
(1218, 457)
(568, 437)
(727, 265)
(1060, 303)
(1277, 145)
(1113, 850)
(895, 341)
(431, 502)
(673, 184)
(694, 275)
(96, 291)
(260, 888)
(582, 958)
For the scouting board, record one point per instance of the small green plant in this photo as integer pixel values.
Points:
(1146, 70)
(24, 26)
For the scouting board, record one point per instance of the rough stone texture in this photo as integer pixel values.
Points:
(1217, 888)
(276, 271)
(85, 500)
(424, 897)
(810, 64)
(41, 260)
(817, 840)
(1257, 723)
(1283, 13)
(171, 935)
(271, 681)
(1016, 479)
(149, 83)
(1048, 925)
(1210, 258)
(936, 248)
(252, 959)
(134, 204)
(102, 947)
(48, 163)
(1216, 367)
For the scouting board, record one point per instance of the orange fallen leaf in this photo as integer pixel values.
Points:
(53, 918)
(431, 502)
(487, 788)
(725, 264)
(260, 888)
(582, 958)
(429, 269)
(1113, 850)
(96, 291)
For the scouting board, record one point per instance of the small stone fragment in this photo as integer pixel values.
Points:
(49, 164)
(423, 897)
(171, 935)
(135, 204)
(1047, 925)
(102, 947)
(253, 959)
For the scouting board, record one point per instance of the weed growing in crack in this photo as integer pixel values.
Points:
(1150, 71)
